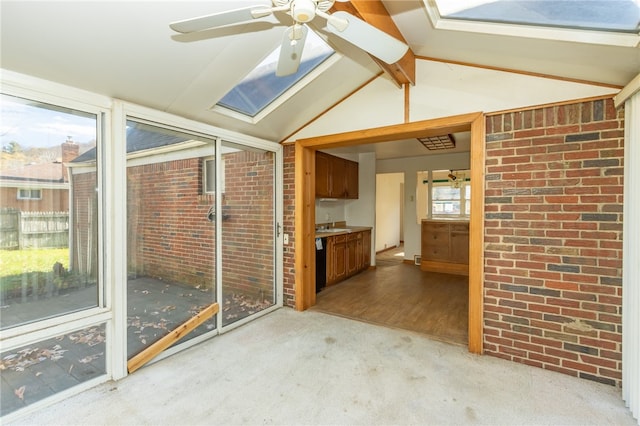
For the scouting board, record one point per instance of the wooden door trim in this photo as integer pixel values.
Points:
(305, 202)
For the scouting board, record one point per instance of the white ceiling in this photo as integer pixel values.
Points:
(125, 50)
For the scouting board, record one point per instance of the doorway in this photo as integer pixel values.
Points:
(389, 230)
(305, 215)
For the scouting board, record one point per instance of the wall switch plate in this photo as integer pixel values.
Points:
(285, 238)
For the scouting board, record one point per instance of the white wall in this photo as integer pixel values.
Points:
(410, 167)
(362, 212)
(442, 90)
(389, 199)
(330, 211)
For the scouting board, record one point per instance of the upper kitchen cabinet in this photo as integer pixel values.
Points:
(336, 177)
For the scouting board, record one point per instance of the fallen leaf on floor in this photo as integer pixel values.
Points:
(89, 358)
(20, 392)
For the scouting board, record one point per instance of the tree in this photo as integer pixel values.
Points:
(12, 147)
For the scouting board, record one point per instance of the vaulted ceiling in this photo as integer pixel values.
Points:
(126, 50)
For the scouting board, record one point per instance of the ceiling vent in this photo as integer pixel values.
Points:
(435, 143)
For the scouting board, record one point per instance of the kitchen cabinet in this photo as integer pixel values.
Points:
(351, 183)
(337, 252)
(445, 246)
(347, 255)
(352, 253)
(336, 177)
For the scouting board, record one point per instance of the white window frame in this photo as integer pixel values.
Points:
(30, 196)
(609, 38)
(124, 111)
(205, 176)
(22, 86)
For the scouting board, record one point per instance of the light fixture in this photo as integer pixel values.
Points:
(434, 143)
(303, 10)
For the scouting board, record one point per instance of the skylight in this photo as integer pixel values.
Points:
(261, 87)
(603, 15)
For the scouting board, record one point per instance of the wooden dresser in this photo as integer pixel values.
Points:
(445, 246)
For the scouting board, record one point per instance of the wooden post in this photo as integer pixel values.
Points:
(152, 351)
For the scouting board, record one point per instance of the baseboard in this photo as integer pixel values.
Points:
(387, 249)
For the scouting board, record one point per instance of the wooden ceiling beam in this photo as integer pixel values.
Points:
(373, 12)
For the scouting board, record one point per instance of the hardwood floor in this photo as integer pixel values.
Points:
(400, 295)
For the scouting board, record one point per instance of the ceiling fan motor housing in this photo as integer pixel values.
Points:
(303, 10)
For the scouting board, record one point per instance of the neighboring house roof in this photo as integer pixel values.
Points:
(42, 172)
(138, 140)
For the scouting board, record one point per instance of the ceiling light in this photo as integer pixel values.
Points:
(434, 143)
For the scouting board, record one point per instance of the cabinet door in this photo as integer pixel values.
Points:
(366, 249)
(459, 249)
(359, 252)
(338, 174)
(323, 175)
(340, 257)
(352, 257)
(351, 181)
(331, 273)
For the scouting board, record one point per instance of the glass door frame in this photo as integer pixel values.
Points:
(123, 111)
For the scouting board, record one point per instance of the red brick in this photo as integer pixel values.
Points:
(579, 366)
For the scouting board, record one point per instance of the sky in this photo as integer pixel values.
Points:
(40, 127)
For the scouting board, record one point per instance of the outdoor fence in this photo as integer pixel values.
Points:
(21, 230)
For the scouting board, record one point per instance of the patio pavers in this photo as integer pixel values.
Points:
(155, 307)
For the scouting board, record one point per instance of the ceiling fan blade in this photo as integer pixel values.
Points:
(220, 19)
(367, 37)
(291, 50)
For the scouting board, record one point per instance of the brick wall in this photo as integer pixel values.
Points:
(248, 245)
(170, 237)
(289, 224)
(553, 231)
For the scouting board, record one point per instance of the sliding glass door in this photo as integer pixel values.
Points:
(248, 238)
(171, 232)
(201, 229)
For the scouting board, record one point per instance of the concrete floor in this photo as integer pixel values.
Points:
(312, 368)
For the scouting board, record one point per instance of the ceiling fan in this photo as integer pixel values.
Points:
(344, 25)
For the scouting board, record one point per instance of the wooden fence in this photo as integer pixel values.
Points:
(21, 230)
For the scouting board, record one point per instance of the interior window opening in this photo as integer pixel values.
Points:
(443, 194)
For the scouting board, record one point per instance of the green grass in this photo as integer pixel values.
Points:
(17, 262)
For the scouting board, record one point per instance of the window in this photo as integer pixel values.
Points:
(603, 15)
(450, 193)
(261, 87)
(29, 194)
(209, 176)
(51, 265)
(446, 200)
(608, 22)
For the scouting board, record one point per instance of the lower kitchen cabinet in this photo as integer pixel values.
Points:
(445, 246)
(347, 255)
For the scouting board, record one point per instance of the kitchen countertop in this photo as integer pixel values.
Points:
(341, 230)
